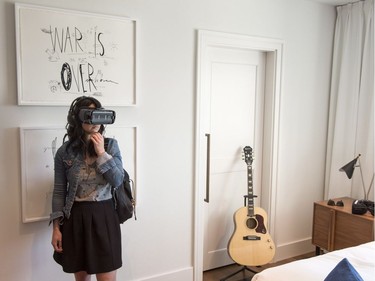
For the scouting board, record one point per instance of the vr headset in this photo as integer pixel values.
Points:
(97, 116)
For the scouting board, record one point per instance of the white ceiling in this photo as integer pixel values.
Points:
(335, 2)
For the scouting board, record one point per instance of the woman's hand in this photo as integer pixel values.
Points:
(57, 239)
(98, 141)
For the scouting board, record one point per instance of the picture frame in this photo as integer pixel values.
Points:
(63, 54)
(38, 148)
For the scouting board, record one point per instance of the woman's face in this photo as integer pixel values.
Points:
(90, 128)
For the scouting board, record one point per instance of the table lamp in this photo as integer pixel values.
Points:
(349, 170)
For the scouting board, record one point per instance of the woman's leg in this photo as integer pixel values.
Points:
(82, 276)
(107, 276)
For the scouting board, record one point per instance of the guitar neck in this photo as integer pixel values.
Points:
(250, 194)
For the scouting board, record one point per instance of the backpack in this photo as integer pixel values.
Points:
(123, 196)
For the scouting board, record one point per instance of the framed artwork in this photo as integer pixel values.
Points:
(38, 150)
(63, 54)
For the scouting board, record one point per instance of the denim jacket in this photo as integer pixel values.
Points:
(67, 167)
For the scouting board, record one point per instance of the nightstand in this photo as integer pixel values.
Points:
(335, 227)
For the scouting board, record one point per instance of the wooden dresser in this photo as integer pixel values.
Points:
(335, 227)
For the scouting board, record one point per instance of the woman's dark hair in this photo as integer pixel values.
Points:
(74, 130)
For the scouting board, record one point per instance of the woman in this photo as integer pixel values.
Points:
(86, 233)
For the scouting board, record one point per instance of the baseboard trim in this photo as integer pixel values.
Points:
(293, 249)
(185, 274)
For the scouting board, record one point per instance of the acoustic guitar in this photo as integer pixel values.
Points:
(250, 244)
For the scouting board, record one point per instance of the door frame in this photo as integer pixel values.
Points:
(274, 52)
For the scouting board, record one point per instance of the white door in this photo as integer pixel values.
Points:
(233, 110)
(234, 113)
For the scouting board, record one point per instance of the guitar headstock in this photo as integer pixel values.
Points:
(248, 155)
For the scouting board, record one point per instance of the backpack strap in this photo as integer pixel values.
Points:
(106, 141)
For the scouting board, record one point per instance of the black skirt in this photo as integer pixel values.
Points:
(91, 239)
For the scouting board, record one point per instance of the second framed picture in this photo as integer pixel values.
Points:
(38, 149)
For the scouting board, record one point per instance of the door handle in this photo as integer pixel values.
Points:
(207, 199)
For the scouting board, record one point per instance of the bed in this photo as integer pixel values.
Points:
(317, 268)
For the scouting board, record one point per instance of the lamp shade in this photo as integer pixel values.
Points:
(349, 168)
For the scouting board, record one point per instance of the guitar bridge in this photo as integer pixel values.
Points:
(251, 237)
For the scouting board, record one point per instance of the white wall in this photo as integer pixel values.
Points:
(159, 246)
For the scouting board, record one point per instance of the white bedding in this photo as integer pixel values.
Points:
(317, 268)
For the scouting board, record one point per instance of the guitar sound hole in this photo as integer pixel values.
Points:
(251, 223)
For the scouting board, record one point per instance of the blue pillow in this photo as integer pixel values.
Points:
(344, 271)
